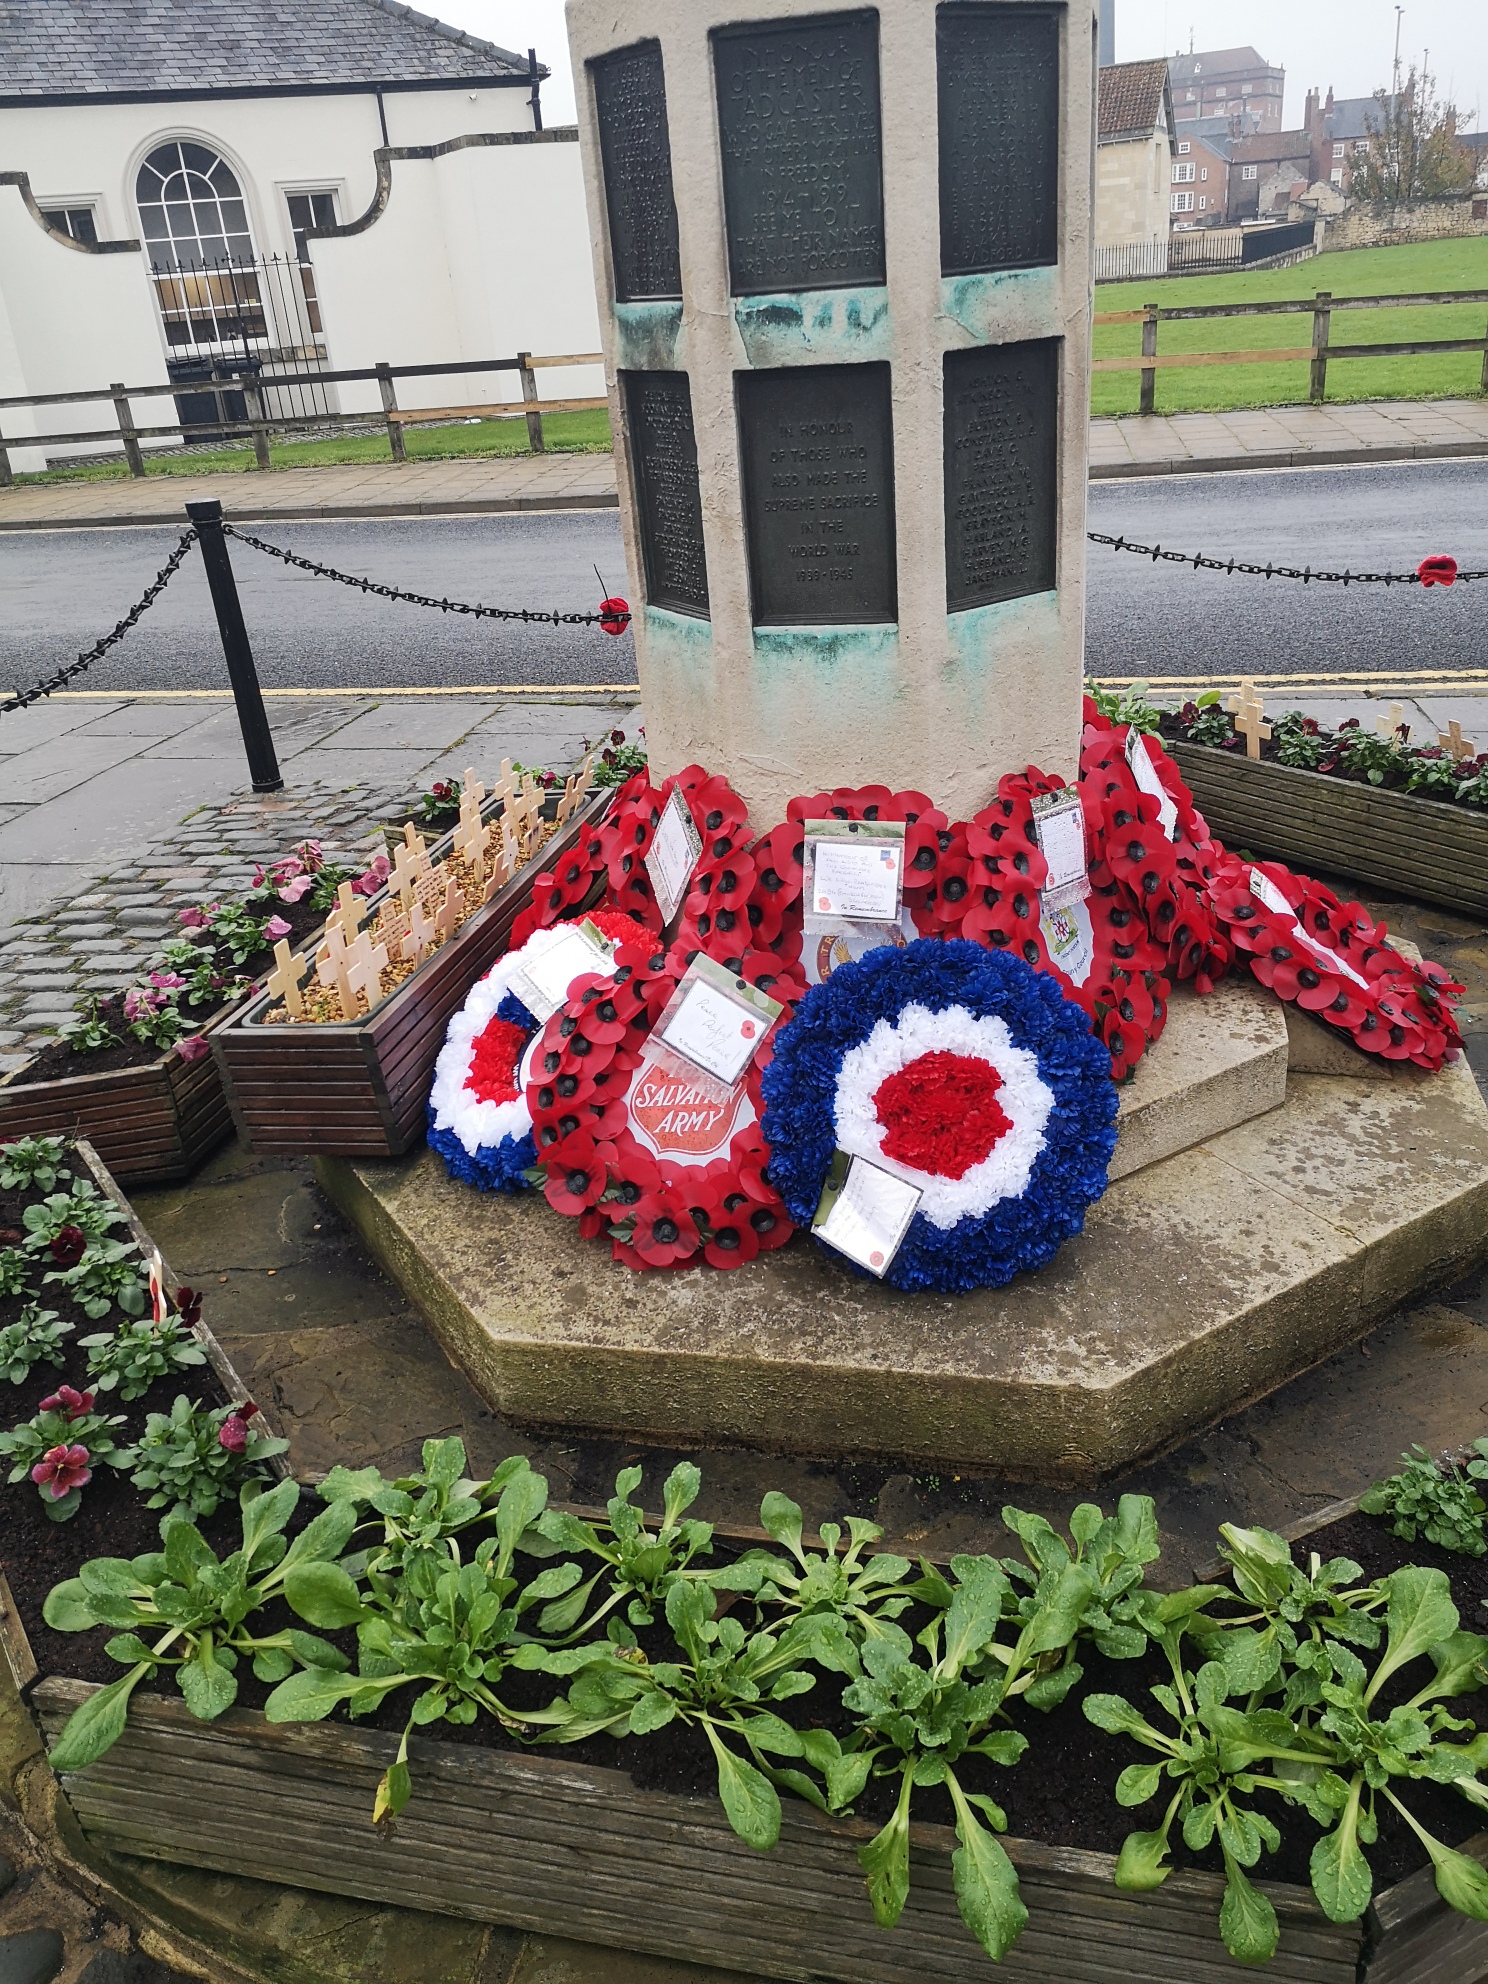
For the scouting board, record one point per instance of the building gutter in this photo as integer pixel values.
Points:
(59, 99)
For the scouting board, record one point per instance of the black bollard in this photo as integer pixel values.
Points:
(258, 739)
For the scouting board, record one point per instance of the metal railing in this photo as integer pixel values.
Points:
(1320, 353)
(260, 422)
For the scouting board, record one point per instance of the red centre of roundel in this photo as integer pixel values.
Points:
(940, 1113)
(493, 1066)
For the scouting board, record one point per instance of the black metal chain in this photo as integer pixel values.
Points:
(1202, 564)
(100, 648)
(319, 571)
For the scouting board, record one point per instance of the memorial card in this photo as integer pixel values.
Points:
(1059, 823)
(673, 854)
(542, 985)
(1145, 773)
(855, 871)
(1265, 890)
(1069, 938)
(865, 1212)
(716, 1021)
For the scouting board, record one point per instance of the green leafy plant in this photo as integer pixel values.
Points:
(439, 807)
(1364, 752)
(234, 930)
(1434, 772)
(1296, 1714)
(196, 1608)
(1435, 1500)
(109, 1272)
(1202, 721)
(84, 1207)
(15, 1272)
(1472, 789)
(88, 1032)
(426, 1514)
(192, 1457)
(1301, 742)
(130, 1359)
(640, 1566)
(34, 1338)
(32, 1164)
(60, 1446)
(619, 760)
(864, 1591)
(1129, 705)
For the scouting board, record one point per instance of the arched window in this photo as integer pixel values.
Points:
(191, 207)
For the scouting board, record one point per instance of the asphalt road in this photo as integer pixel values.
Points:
(59, 590)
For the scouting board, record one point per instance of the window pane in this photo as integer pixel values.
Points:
(164, 159)
(198, 157)
(325, 209)
(299, 210)
(225, 181)
(55, 217)
(81, 224)
(176, 187)
(234, 217)
(152, 220)
(180, 222)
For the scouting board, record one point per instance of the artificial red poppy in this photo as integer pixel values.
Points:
(665, 1232)
(577, 1172)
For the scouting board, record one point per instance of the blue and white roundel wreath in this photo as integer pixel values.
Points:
(478, 1117)
(965, 1072)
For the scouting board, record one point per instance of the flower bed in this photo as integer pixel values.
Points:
(358, 1087)
(134, 1073)
(1349, 801)
(923, 1711)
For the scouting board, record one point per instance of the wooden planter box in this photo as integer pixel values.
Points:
(359, 1088)
(151, 1124)
(1427, 849)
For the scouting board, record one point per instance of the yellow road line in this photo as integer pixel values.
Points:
(225, 695)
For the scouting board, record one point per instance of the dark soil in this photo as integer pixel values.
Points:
(1171, 732)
(59, 1059)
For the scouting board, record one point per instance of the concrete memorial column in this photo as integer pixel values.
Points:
(843, 261)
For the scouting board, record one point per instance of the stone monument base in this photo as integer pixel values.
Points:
(1260, 1218)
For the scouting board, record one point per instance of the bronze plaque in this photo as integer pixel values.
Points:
(669, 511)
(635, 150)
(817, 449)
(999, 136)
(798, 117)
(1001, 471)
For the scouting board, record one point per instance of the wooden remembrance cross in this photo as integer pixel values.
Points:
(365, 964)
(284, 980)
(1250, 717)
(1455, 744)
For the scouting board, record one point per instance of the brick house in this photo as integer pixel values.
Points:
(1234, 83)
(1201, 175)
(1268, 172)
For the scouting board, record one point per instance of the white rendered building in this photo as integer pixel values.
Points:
(287, 185)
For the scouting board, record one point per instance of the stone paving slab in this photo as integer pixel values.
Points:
(1154, 444)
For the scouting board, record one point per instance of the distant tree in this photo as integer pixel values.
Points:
(1414, 151)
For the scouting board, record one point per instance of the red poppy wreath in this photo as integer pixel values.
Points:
(1333, 960)
(657, 1163)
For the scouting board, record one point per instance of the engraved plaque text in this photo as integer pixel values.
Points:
(1001, 445)
(636, 154)
(817, 452)
(999, 136)
(669, 514)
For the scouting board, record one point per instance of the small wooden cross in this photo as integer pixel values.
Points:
(420, 932)
(1389, 727)
(1250, 717)
(1455, 744)
(450, 911)
(568, 805)
(410, 864)
(471, 836)
(284, 980)
(503, 861)
(506, 785)
(330, 969)
(472, 793)
(365, 964)
(348, 913)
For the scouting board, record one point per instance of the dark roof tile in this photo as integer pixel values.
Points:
(1132, 98)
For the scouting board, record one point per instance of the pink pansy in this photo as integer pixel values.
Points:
(295, 887)
(194, 919)
(233, 1432)
(167, 981)
(65, 1399)
(194, 1048)
(62, 1469)
(275, 928)
(376, 875)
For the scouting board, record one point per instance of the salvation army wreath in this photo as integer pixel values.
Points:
(666, 1168)
(479, 1122)
(965, 1073)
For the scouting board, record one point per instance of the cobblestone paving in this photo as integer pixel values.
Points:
(100, 940)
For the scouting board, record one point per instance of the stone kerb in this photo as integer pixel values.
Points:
(915, 664)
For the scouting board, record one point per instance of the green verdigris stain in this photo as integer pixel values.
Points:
(647, 336)
(680, 643)
(824, 326)
(980, 304)
(871, 651)
(977, 634)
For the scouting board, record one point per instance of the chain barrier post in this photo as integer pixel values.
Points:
(529, 393)
(258, 739)
(1148, 403)
(389, 408)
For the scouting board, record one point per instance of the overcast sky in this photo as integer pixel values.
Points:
(1346, 43)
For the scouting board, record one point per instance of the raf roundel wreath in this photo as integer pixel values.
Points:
(966, 1073)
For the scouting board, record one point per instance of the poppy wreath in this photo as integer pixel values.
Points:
(969, 1074)
(667, 1174)
(1121, 986)
(1167, 878)
(479, 1122)
(1333, 960)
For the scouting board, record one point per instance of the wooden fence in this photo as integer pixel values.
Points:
(259, 424)
(1321, 352)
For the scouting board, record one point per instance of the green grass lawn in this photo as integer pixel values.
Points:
(1410, 270)
(564, 433)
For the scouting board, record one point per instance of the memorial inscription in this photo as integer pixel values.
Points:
(817, 451)
(799, 121)
(636, 157)
(1001, 471)
(998, 72)
(669, 511)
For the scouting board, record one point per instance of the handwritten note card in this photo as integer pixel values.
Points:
(673, 854)
(867, 1216)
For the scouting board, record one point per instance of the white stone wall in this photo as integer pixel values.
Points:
(1132, 190)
